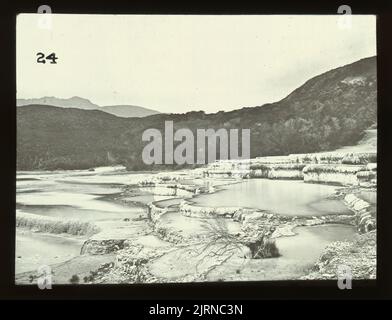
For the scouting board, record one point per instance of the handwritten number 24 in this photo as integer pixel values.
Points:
(42, 59)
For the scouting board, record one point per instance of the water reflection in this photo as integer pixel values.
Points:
(278, 196)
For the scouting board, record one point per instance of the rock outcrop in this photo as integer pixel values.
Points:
(365, 217)
(346, 169)
(96, 247)
(359, 256)
(345, 175)
(131, 266)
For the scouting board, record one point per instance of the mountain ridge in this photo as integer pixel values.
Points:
(126, 111)
(327, 112)
(75, 102)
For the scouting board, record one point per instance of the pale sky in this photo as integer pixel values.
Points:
(179, 63)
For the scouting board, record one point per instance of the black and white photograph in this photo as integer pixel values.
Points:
(180, 148)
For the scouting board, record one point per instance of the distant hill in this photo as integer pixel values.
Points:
(126, 111)
(328, 112)
(74, 102)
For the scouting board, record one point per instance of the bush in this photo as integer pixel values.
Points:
(264, 249)
(74, 279)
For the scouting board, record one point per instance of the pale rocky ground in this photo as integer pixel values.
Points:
(156, 241)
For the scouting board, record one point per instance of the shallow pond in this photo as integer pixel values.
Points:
(277, 196)
(70, 195)
(33, 250)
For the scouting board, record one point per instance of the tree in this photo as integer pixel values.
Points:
(74, 279)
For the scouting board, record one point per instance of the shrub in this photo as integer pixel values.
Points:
(263, 248)
(74, 279)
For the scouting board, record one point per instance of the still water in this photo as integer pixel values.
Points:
(277, 196)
